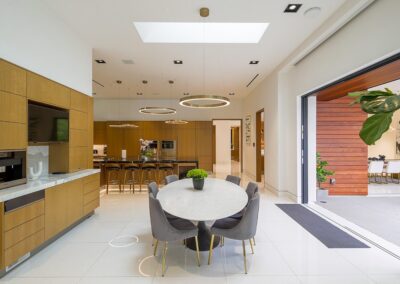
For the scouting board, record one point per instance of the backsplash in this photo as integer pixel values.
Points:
(35, 155)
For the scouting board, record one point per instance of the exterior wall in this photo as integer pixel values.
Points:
(338, 143)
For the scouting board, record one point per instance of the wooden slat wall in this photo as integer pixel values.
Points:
(338, 125)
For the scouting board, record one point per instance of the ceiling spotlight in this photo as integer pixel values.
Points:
(100, 61)
(178, 62)
(204, 12)
(144, 81)
(292, 8)
(186, 94)
(254, 62)
(119, 82)
(139, 94)
(231, 94)
(171, 81)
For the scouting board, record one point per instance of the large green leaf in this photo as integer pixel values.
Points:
(382, 104)
(375, 126)
(369, 95)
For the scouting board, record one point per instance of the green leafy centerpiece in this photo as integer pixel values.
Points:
(198, 176)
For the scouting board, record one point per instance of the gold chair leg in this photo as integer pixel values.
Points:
(211, 250)
(244, 256)
(197, 250)
(254, 241)
(163, 258)
(251, 245)
(155, 248)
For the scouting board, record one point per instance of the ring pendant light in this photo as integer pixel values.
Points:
(157, 110)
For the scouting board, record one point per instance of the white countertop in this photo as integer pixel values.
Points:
(42, 183)
(218, 199)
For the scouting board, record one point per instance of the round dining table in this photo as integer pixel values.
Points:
(218, 199)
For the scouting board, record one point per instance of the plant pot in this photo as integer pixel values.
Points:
(198, 183)
(322, 195)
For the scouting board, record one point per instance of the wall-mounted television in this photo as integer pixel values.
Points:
(47, 124)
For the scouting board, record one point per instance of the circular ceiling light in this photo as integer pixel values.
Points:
(125, 125)
(176, 121)
(157, 110)
(204, 101)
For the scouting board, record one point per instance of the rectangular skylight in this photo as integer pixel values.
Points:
(170, 32)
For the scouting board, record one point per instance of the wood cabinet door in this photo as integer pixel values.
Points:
(13, 135)
(100, 133)
(78, 120)
(56, 207)
(12, 78)
(77, 158)
(186, 141)
(79, 101)
(43, 90)
(74, 201)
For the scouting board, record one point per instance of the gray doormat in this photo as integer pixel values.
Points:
(330, 235)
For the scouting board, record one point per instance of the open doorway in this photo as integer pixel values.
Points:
(331, 129)
(227, 146)
(260, 145)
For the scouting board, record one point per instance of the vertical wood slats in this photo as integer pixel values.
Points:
(338, 142)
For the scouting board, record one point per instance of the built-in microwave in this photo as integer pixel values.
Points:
(12, 168)
(168, 149)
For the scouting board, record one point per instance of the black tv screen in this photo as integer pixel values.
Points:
(47, 124)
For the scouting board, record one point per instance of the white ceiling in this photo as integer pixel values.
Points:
(108, 26)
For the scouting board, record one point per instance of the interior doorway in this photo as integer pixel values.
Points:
(227, 148)
(259, 145)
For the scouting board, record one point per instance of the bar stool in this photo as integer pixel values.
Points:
(113, 175)
(149, 173)
(165, 169)
(129, 176)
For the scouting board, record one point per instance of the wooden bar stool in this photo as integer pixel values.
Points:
(113, 175)
(149, 173)
(130, 176)
(164, 169)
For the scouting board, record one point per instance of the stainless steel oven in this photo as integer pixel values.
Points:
(168, 149)
(12, 168)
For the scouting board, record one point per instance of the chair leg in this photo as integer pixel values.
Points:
(211, 250)
(254, 241)
(244, 257)
(251, 245)
(155, 247)
(124, 181)
(163, 258)
(197, 250)
(108, 180)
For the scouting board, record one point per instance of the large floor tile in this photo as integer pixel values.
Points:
(385, 278)
(262, 279)
(51, 280)
(116, 280)
(335, 279)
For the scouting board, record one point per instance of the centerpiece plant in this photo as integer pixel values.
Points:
(198, 176)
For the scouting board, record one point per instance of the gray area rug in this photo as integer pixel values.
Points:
(379, 215)
(330, 235)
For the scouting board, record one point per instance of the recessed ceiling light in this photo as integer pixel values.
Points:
(93, 94)
(100, 61)
(171, 81)
(178, 62)
(292, 8)
(119, 82)
(200, 32)
(186, 94)
(144, 81)
(254, 62)
(139, 94)
(231, 94)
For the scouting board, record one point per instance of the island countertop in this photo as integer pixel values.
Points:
(42, 183)
(137, 160)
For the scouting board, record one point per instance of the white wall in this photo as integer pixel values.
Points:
(223, 145)
(125, 109)
(347, 50)
(33, 37)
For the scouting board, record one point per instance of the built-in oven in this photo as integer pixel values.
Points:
(168, 149)
(12, 168)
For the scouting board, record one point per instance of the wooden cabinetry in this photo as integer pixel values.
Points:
(79, 101)
(23, 231)
(186, 141)
(12, 79)
(43, 90)
(100, 133)
(204, 144)
(91, 193)
(90, 134)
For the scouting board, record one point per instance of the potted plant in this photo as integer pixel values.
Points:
(198, 176)
(322, 176)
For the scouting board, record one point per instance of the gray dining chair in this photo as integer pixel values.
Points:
(233, 179)
(153, 188)
(238, 229)
(171, 178)
(251, 189)
(166, 230)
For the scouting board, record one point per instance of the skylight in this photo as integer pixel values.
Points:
(167, 32)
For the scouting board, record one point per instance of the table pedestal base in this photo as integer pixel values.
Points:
(204, 237)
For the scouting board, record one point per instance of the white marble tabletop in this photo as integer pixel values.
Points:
(218, 199)
(42, 183)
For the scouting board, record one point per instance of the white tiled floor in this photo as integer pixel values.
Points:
(284, 254)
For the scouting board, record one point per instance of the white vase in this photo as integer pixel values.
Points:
(35, 175)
